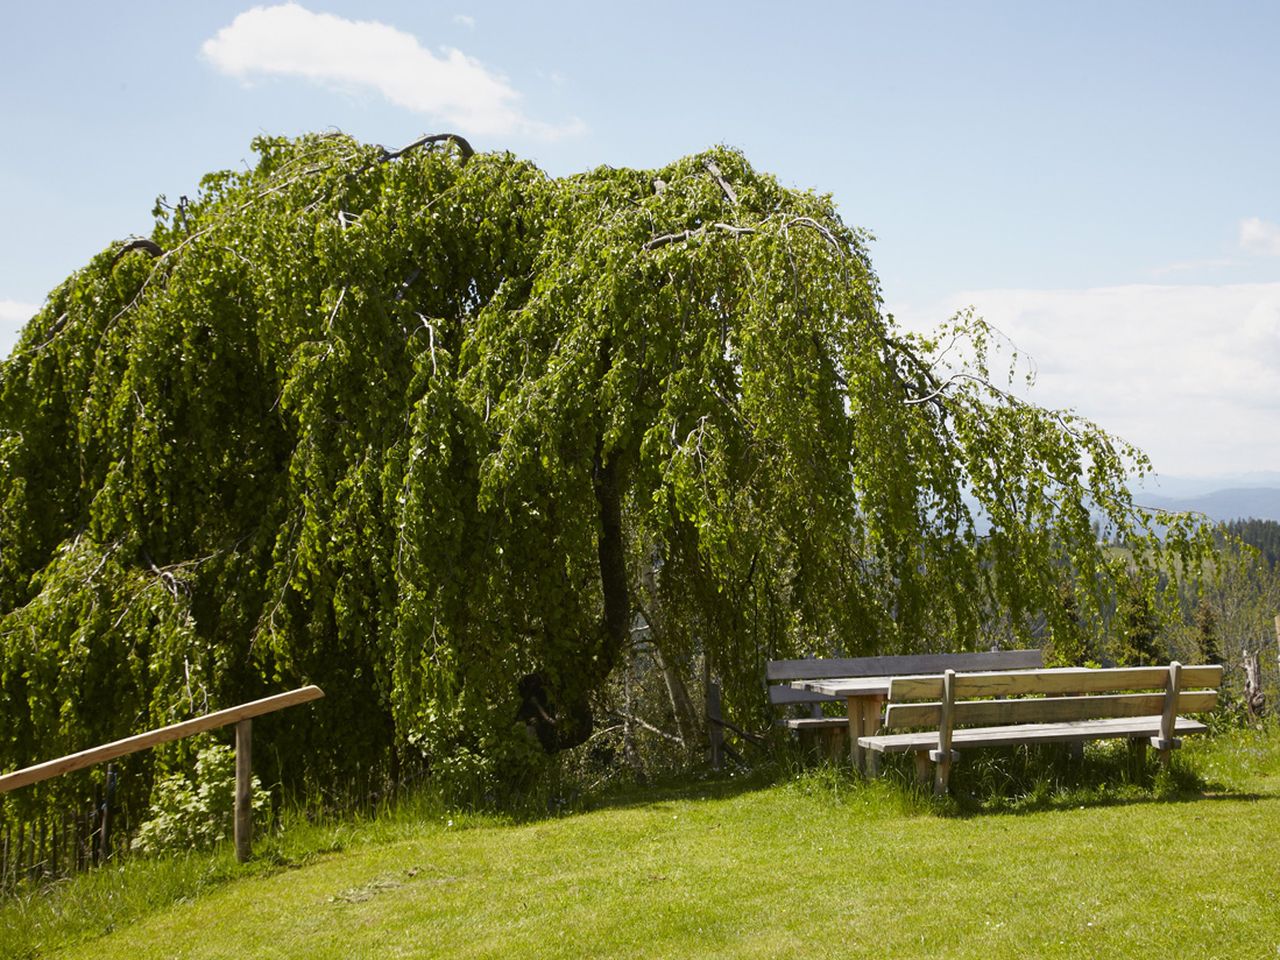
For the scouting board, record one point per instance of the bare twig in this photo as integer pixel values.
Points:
(745, 734)
(626, 717)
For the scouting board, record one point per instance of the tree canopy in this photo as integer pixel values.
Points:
(431, 429)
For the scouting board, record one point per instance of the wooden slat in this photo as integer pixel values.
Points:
(893, 666)
(815, 723)
(1046, 709)
(1057, 680)
(176, 731)
(1079, 731)
(782, 695)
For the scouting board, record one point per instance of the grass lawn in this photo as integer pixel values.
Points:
(814, 865)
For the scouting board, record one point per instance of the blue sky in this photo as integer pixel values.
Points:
(1098, 179)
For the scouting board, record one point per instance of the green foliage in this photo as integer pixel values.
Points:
(1207, 633)
(197, 812)
(407, 428)
(1137, 626)
(1262, 535)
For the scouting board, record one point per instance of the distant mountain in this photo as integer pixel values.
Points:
(1182, 488)
(1238, 503)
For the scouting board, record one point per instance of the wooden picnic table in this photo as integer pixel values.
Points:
(865, 697)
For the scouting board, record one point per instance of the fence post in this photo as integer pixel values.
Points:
(244, 791)
(108, 794)
(714, 731)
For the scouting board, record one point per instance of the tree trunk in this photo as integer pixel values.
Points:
(1254, 698)
(677, 691)
(613, 565)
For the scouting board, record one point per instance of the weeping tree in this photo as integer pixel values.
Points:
(430, 428)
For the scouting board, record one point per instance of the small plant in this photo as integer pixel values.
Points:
(190, 813)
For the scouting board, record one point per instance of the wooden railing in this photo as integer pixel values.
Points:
(242, 716)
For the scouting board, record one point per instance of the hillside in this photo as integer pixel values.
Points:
(816, 865)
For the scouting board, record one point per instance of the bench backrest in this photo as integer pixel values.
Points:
(888, 666)
(1051, 696)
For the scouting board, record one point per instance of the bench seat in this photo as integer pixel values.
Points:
(1070, 732)
(803, 724)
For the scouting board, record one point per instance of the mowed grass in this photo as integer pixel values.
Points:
(818, 865)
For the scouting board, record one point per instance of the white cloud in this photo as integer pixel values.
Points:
(1260, 237)
(464, 21)
(289, 40)
(13, 317)
(1191, 374)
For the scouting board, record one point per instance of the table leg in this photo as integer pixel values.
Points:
(855, 731)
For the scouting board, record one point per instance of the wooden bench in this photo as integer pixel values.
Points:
(788, 677)
(1066, 705)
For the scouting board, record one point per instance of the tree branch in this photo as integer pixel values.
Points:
(463, 146)
(666, 238)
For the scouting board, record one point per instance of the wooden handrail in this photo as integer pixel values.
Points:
(176, 731)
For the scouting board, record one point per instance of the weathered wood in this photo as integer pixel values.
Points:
(901, 665)
(784, 695)
(1116, 728)
(1166, 742)
(715, 732)
(244, 791)
(922, 766)
(942, 761)
(1060, 680)
(176, 731)
(807, 724)
(1046, 709)
(854, 715)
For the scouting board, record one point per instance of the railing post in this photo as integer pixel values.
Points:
(244, 791)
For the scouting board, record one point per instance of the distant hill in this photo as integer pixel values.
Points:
(1240, 503)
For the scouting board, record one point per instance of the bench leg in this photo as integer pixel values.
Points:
(873, 763)
(1137, 757)
(835, 742)
(941, 776)
(922, 767)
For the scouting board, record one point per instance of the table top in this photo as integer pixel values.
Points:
(846, 686)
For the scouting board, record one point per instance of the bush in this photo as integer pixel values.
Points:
(189, 813)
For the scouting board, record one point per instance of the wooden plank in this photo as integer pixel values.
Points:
(782, 695)
(844, 687)
(1057, 680)
(1046, 709)
(1166, 741)
(898, 665)
(816, 723)
(176, 731)
(856, 753)
(1105, 729)
(947, 717)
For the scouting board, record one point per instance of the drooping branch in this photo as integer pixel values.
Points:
(666, 238)
(463, 146)
(137, 243)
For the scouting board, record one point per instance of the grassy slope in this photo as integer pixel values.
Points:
(814, 867)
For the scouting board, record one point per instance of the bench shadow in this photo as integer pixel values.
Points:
(972, 808)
